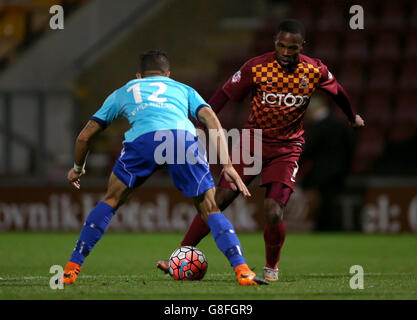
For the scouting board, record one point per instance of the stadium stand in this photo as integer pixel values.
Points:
(375, 65)
(24, 22)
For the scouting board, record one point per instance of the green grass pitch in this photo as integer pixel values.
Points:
(122, 266)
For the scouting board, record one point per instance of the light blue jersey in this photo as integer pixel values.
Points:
(152, 104)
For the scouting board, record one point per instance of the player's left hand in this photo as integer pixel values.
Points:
(74, 178)
(358, 122)
(235, 181)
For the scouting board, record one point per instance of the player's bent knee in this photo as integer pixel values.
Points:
(274, 211)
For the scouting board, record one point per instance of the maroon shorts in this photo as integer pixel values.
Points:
(279, 160)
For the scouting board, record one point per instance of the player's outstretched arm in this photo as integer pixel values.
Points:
(216, 133)
(81, 152)
(341, 98)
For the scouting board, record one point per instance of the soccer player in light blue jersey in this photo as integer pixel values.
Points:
(157, 109)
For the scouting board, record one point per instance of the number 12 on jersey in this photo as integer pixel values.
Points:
(153, 97)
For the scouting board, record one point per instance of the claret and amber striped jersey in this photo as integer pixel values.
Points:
(279, 98)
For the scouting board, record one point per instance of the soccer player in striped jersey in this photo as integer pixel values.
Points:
(157, 109)
(281, 83)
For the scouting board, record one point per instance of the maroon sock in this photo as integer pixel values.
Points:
(274, 236)
(197, 231)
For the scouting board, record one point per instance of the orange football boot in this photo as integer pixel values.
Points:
(246, 277)
(71, 272)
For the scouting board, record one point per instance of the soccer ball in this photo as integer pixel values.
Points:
(187, 263)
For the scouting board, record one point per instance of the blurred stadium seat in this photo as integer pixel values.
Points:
(377, 110)
(407, 80)
(330, 18)
(370, 145)
(381, 78)
(304, 13)
(410, 51)
(386, 46)
(355, 47)
(263, 37)
(404, 122)
(352, 77)
(326, 48)
(412, 22)
(370, 9)
(392, 16)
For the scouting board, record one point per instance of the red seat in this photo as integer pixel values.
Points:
(407, 80)
(370, 9)
(410, 51)
(377, 110)
(412, 20)
(326, 47)
(355, 47)
(304, 13)
(386, 47)
(371, 144)
(351, 77)
(392, 16)
(331, 18)
(404, 122)
(381, 78)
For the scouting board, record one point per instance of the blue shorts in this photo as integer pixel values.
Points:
(177, 150)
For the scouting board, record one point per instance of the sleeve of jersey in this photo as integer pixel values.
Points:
(239, 85)
(329, 84)
(108, 111)
(195, 103)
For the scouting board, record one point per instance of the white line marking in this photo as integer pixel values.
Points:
(100, 276)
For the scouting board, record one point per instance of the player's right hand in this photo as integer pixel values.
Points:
(74, 178)
(234, 180)
(358, 122)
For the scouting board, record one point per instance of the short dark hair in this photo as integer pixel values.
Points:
(292, 26)
(154, 60)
